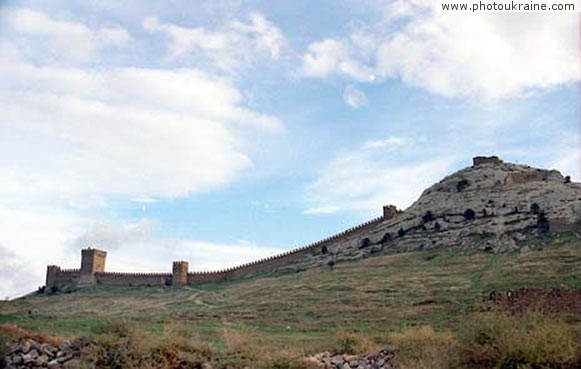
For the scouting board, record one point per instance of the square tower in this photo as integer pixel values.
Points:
(180, 273)
(92, 261)
(52, 274)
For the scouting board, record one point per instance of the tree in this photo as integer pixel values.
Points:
(401, 232)
(542, 223)
(331, 264)
(428, 217)
(365, 242)
(469, 214)
(568, 179)
(462, 185)
(386, 237)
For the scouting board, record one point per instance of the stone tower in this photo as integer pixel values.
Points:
(180, 273)
(92, 261)
(390, 211)
(52, 274)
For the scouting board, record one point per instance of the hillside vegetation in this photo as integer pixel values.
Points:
(377, 300)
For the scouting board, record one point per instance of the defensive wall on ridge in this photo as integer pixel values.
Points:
(299, 259)
(490, 205)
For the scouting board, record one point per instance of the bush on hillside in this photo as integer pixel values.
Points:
(424, 348)
(469, 214)
(531, 341)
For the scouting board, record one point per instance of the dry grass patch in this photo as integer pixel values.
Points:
(424, 348)
(498, 340)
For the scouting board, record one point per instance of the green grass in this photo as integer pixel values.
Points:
(372, 296)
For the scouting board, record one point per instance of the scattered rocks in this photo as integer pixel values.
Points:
(380, 360)
(32, 354)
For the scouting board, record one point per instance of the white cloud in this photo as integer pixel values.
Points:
(234, 45)
(46, 37)
(388, 143)
(17, 277)
(110, 235)
(487, 55)
(329, 56)
(322, 210)
(121, 131)
(354, 97)
(32, 236)
(365, 179)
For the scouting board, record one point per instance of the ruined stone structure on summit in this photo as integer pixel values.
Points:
(492, 205)
(479, 160)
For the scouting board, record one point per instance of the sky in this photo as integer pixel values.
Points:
(225, 131)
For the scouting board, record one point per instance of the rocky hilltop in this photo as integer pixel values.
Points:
(490, 205)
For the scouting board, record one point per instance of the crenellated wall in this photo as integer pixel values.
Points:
(57, 277)
(315, 254)
(133, 279)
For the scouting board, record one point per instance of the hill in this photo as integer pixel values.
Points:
(371, 297)
(482, 271)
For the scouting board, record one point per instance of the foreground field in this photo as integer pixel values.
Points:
(374, 300)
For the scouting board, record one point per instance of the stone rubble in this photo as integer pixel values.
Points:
(33, 354)
(382, 359)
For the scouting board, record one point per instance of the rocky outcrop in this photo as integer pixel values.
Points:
(379, 360)
(33, 354)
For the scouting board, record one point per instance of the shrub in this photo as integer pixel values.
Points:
(535, 208)
(238, 341)
(331, 264)
(542, 223)
(125, 345)
(469, 214)
(428, 217)
(424, 348)
(462, 185)
(568, 179)
(401, 232)
(386, 237)
(324, 250)
(350, 343)
(437, 226)
(365, 243)
(530, 341)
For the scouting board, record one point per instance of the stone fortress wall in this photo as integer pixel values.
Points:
(490, 205)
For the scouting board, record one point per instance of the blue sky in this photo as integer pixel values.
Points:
(226, 131)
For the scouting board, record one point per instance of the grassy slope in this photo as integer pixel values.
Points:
(372, 296)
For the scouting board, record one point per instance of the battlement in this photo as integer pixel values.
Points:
(133, 274)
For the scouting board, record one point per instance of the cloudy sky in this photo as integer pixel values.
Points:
(219, 132)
